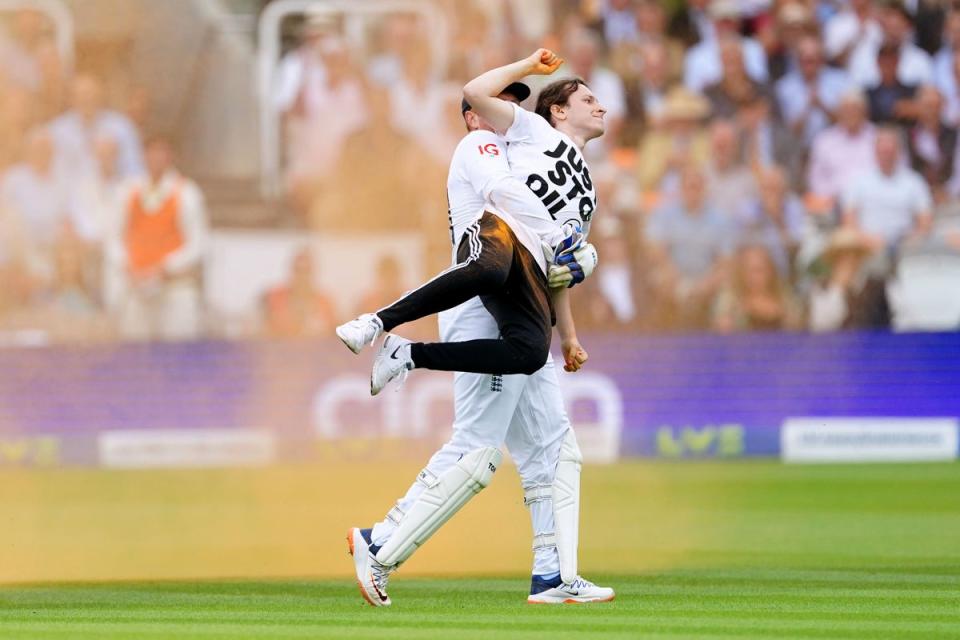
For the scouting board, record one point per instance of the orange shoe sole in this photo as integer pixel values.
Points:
(363, 591)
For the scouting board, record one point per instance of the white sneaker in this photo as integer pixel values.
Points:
(392, 360)
(579, 591)
(360, 332)
(371, 575)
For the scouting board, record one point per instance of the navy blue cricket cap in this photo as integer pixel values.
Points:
(518, 90)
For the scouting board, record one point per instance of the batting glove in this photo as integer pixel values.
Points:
(571, 268)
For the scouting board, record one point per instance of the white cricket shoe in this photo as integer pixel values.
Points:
(579, 591)
(371, 575)
(392, 360)
(360, 332)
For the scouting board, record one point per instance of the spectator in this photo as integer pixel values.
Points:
(138, 106)
(619, 22)
(929, 20)
(731, 187)
(646, 94)
(18, 50)
(379, 194)
(890, 203)
(703, 66)
(400, 34)
(841, 152)
(891, 101)
(757, 297)
(931, 143)
(735, 86)
(72, 311)
(49, 99)
(96, 203)
(324, 118)
(158, 244)
(613, 298)
(16, 120)
(794, 21)
(951, 94)
(808, 96)
(855, 25)
(93, 198)
(691, 23)
(88, 120)
(777, 222)
(848, 297)
(765, 142)
(24, 270)
(520, 25)
(297, 308)
(689, 242)
(681, 139)
(652, 28)
(583, 51)
(943, 61)
(420, 104)
(475, 46)
(914, 65)
(302, 75)
(33, 192)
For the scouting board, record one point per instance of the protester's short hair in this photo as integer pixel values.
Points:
(556, 93)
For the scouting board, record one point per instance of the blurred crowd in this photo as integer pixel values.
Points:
(100, 235)
(768, 164)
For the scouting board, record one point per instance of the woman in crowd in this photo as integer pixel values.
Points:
(756, 299)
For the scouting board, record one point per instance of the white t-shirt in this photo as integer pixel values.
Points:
(552, 166)
(887, 205)
(480, 180)
(702, 66)
(845, 29)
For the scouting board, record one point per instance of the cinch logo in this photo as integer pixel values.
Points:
(489, 149)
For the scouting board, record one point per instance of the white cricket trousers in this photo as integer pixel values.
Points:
(526, 413)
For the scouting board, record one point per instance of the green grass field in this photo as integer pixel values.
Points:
(747, 549)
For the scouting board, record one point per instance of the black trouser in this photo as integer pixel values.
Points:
(492, 264)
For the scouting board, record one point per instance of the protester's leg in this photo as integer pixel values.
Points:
(524, 315)
(484, 261)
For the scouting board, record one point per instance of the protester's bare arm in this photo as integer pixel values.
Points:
(482, 91)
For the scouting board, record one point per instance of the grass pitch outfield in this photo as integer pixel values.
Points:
(732, 550)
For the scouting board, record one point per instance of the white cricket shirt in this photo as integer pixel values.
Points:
(480, 180)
